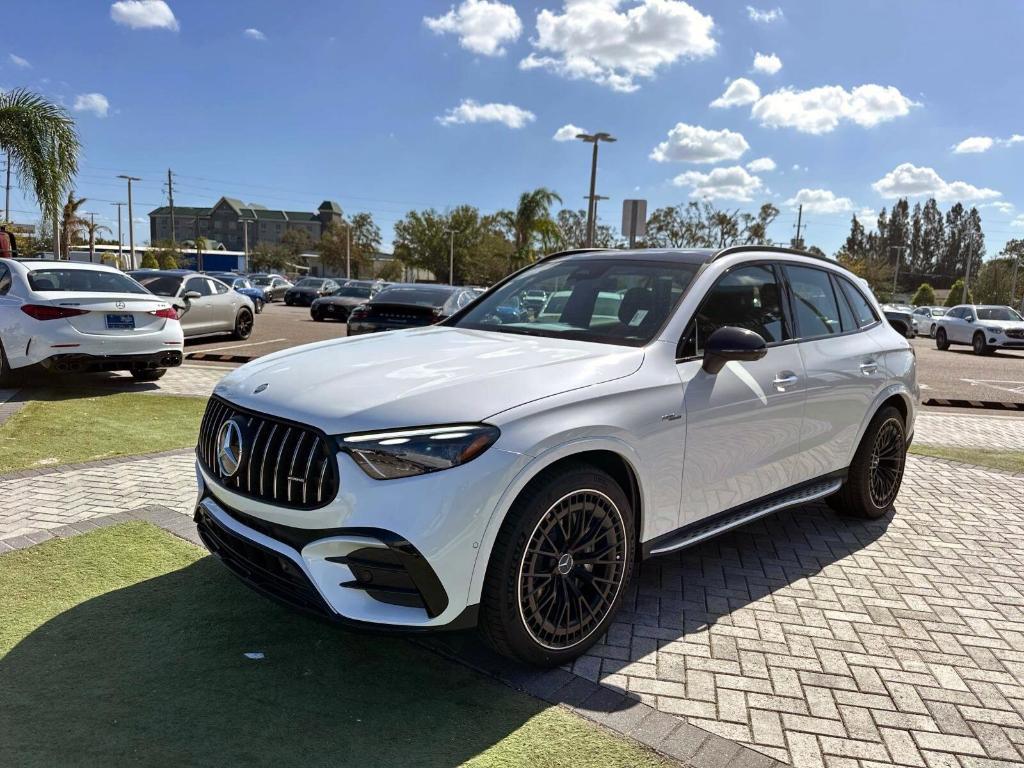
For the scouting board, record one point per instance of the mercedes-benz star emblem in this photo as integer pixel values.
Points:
(229, 448)
(120, 304)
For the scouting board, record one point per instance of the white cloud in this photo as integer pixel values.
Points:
(254, 34)
(761, 164)
(1015, 139)
(1000, 205)
(764, 16)
(866, 214)
(18, 61)
(768, 63)
(974, 144)
(144, 14)
(92, 102)
(482, 26)
(732, 183)
(470, 111)
(740, 91)
(820, 110)
(694, 144)
(907, 180)
(820, 201)
(568, 132)
(594, 40)
(1018, 222)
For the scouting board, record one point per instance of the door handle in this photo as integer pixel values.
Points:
(785, 379)
(869, 367)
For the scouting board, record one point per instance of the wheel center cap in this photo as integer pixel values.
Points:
(564, 564)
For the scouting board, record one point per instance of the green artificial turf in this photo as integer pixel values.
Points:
(126, 646)
(1006, 461)
(56, 429)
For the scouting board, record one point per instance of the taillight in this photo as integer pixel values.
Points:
(50, 312)
(359, 312)
(168, 313)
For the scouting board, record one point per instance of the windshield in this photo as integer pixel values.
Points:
(82, 281)
(309, 282)
(241, 282)
(939, 311)
(161, 285)
(607, 301)
(997, 313)
(425, 296)
(354, 292)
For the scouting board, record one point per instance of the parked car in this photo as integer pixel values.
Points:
(339, 304)
(926, 318)
(986, 327)
(900, 319)
(205, 305)
(274, 286)
(70, 317)
(407, 306)
(534, 301)
(244, 286)
(308, 289)
(511, 475)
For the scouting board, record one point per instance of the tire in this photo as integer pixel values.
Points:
(979, 346)
(539, 555)
(876, 471)
(259, 306)
(243, 325)
(931, 331)
(941, 341)
(317, 316)
(148, 374)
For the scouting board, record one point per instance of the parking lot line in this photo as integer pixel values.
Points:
(238, 346)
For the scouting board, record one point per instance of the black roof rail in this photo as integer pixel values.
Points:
(573, 251)
(770, 249)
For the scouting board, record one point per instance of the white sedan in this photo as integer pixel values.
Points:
(68, 317)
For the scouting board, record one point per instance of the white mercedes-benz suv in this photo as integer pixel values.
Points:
(509, 468)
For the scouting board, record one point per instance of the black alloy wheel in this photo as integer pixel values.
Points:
(876, 472)
(978, 344)
(243, 325)
(941, 340)
(572, 569)
(886, 468)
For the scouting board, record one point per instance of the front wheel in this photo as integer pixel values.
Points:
(941, 340)
(978, 344)
(560, 566)
(243, 325)
(317, 316)
(876, 472)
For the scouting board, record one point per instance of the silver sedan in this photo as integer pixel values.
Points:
(205, 305)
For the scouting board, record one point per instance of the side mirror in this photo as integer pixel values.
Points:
(732, 343)
(192, 295)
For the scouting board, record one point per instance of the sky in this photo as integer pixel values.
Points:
(386, 106)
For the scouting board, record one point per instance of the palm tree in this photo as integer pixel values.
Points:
(92, 229)
(532, 218)
(42, 146)
(71, 224)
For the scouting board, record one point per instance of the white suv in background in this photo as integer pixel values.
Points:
(986, 327)
(926, 319)
(511, 472)
(69, 317)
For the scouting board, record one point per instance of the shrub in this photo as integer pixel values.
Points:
(957, 292)
(924, 296)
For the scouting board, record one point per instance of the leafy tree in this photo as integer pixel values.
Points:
(43, 145)
(924, 296)
(391, 271)
(91, 228)
(755, 228)
(530, 222)
(570, 231)
(268, 257)
(296, 241)
(856, 247)
(914, 260)
(149, 261)
(933, 239)
(167, 254)
(956, 294)
(1014, 249)
(71, 223)
(994, 282)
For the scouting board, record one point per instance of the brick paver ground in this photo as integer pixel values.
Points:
(996, 433)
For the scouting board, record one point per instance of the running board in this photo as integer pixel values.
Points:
(705, 529)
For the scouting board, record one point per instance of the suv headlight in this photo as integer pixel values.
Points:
(417, 451)
(993, 330)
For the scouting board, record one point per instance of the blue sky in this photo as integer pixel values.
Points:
(348, 101)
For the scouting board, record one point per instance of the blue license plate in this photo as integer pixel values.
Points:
(121, 322)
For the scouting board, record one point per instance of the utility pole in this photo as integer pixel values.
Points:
(595, 139)
(967, 274)
(7, 195)
(131, 220)
(798, 241)
(348, 251)
(245, 235)
(170, 197)
(899, 250)
(451, 256)
(120, 241)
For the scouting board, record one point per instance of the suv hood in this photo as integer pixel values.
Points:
(1004, 324)
(419, 377)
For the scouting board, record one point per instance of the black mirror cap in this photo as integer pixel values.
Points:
(732, 343)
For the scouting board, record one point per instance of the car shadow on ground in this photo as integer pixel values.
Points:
(156, 674)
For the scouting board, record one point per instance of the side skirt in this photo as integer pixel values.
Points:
(700, 530)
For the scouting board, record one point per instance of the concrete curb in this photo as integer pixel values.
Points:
(57, 469)
(209, 357)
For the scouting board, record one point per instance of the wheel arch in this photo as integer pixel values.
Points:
(896, 395)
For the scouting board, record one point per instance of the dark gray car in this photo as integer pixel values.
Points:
(205, 305)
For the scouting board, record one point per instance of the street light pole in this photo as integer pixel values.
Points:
(120, 241)
(245, 240)
(451, 256)
(595, 139)
(131, 219)
(348, 251)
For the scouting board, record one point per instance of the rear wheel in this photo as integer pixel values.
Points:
(317, 316)
(941, 342)
(148, 374)
(931, 331)
(259, 306)
(876, 472)
(979, 346)
(560, 566)
(243, 325)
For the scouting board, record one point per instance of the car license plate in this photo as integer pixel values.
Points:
(121, 322)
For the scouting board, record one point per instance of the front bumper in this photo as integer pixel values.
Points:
(86, 363)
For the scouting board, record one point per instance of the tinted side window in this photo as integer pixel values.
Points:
(862, 310)
(845, 313)
(200, 285)
(967, 313)
(747, 297)
(954, 313)
(5, 280)
(814, 303)
(218, 286)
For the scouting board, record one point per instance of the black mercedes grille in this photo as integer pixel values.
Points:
(279, 462)
(1015, 333)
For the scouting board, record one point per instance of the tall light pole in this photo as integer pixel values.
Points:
(594, 201)
(120, 241)
(131, 220)
(451, 256)
(595, 139)
(245, 236)
(895, 275)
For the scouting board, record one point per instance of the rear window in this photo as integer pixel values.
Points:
(423, 297)
(81, 281)
(309, 282)
(161, 285)
(354, 292)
